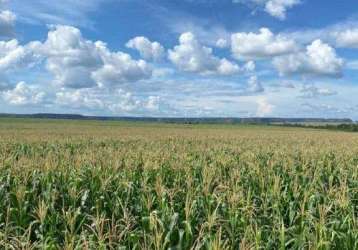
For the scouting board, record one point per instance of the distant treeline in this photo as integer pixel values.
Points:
(188, 120)
(348, 127)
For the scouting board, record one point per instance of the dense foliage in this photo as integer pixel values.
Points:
(109, 185)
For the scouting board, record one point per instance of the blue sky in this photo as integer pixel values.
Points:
(217, 58)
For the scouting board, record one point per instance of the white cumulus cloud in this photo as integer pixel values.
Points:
(276, 8)
(222, 43)
(14, 56)
(147, 49)
(319, 59)
(23, 94)
(119, 68)
(79, 63)
(70, 58)
(191, 56)
(264, 108)
(260, 45)
(347, 38)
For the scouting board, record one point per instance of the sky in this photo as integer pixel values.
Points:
(180, 58)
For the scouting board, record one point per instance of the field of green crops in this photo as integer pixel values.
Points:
(120, 185)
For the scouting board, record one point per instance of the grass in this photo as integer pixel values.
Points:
(121, 185)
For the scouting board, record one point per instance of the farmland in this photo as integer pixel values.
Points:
(125, 185)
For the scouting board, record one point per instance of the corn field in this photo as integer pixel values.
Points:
(120, 185)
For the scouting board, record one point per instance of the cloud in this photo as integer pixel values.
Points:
(86, 74)
(191, 56)
(250, 66)
(153, 103)
(65, 12)
(119, 68)
(73, 61)
(260, 45)
(70, 58)
(311, 91)
(118, 102)
(347, 38)
(254, 86)
(23, 94)
(226, 67)
(222, 43)
(128, 103)
(14, 56)
(276, 8)
(147, 49)
(342, 34)
(319, 59)
(326, 109)
(7, 23)
(284, 84)
(264, 108)
(204, 29)
(162, 72)
(79, 63)
(78, 99)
